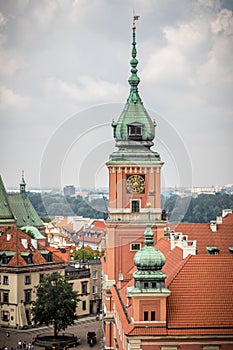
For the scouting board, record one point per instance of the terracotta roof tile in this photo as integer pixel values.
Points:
(12, 241)
(199, 297)
(174, 259)
(222, 239)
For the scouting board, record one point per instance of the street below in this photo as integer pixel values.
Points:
(80, 329)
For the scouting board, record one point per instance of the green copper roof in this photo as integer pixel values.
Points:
(149, 258)
(134, 131)
(23, 210)
(34, 230)
(22, 180)
(22, 184)
(5, 210)
(149, 278)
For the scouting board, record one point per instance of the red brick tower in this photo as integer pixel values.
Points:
(134, 180)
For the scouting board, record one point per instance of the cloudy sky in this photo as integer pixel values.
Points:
(64, 71)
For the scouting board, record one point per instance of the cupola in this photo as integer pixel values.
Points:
(148, 295)
(149, 262)
(134, 131)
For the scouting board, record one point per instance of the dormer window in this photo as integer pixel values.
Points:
(5, 257)
(135, 131)
(27, 257)
(47, 255)
(212, 250)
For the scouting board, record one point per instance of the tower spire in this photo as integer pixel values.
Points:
(22, 184)
(134, 80)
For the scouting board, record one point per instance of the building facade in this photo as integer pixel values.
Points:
(23, 263)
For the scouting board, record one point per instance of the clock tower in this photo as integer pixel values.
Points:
(134, 182)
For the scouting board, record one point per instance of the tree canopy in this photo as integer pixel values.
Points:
(50, 204)
(87, 253)
(56, 303)
(204, 208)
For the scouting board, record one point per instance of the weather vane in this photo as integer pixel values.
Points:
(135, 18)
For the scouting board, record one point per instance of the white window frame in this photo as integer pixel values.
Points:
(135, 250)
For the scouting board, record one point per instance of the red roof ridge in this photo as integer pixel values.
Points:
(184, 262)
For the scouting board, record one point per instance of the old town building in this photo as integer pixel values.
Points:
(23, 263)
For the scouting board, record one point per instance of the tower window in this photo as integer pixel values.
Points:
(135, 131)
(135, 246)
(145, 315)
(152, 315)
(135, 206)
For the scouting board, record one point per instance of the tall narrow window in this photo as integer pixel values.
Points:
(152, 315)
(28, 279)
(84, 305)
(84, 287)
(27, 295)
(5, 296)
(5, 280)
(135, 206)
(145, 315)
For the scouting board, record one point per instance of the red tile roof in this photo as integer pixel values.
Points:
(201, 300)
(222, 239)
(11, 241)
(174, 259)
(202, 294)
(98, 224)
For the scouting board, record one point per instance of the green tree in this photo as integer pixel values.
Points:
(84, 254)
(56, 303)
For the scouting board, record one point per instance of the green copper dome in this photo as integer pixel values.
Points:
(149, 261)
(149, 258)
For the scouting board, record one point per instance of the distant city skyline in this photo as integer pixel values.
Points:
(65, 67)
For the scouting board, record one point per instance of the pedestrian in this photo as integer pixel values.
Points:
(7, 334)
(20, 344)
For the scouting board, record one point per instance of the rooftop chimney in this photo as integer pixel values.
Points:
(24, 243)
(225, 212)
(34, 243)
(213, 226)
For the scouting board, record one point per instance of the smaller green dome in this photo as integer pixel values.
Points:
(149, 258)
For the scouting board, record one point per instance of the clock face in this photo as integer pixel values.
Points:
(135, 183)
